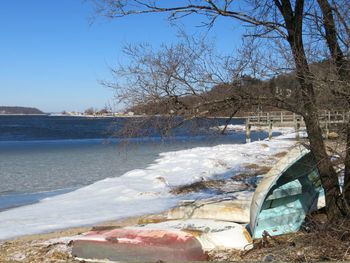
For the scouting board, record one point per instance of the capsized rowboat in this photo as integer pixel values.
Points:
(175, 240)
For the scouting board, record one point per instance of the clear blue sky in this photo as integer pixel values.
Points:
(52, 57)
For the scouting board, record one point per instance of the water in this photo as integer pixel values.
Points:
(41, 156)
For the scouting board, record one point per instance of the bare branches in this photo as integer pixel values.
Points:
(190, 68)
(209, 9)
(189, 78)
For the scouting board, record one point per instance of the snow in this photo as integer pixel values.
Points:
(140, 191)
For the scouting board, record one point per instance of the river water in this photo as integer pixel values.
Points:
(42, 156)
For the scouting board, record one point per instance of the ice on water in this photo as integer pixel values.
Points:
(138, 191)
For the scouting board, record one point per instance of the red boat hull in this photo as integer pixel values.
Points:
(139, 245)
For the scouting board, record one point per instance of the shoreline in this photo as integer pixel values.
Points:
(42, 114)
(34, 243)
(141, 191)
(55, 246)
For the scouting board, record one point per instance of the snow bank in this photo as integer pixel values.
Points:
(139, 191)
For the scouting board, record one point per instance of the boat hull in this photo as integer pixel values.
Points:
(139, 245)
(175, 240)
(288, 192)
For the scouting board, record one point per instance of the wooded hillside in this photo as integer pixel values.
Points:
(19, 110)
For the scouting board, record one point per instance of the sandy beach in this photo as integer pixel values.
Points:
(55, 246)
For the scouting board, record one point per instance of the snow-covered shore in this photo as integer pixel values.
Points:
(140, 191)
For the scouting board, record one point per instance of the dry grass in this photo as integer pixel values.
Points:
(258, 169)
(280, 154)
(197, 187)
(218, 185)
(319, 241)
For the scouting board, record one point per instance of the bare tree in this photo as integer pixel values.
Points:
(89, 111)
(335, 28)
(176, 77)
(282, 25)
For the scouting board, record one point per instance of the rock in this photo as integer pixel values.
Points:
(333, 136)
(269, 258)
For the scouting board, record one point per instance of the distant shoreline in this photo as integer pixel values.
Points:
(19, 110)
(24, 114)
(108, 116)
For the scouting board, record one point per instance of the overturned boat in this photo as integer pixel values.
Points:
(286, 194)
(174, 240)
(234, 207)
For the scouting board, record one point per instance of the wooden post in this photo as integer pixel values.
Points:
(326, 135)
(297, 128)
(248, 127)
(281, 116)
(270, 129)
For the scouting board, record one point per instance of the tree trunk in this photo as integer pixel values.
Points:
(328, 176)
(332, 39)
(329, 179)
(342, 66)
(346, 188)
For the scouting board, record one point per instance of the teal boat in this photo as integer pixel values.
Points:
(288, 192)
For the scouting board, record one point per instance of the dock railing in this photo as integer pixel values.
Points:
(327, 120)
(284, 117)
(264, 118)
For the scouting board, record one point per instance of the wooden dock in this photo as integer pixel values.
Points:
(328, 120)
(289, 118)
